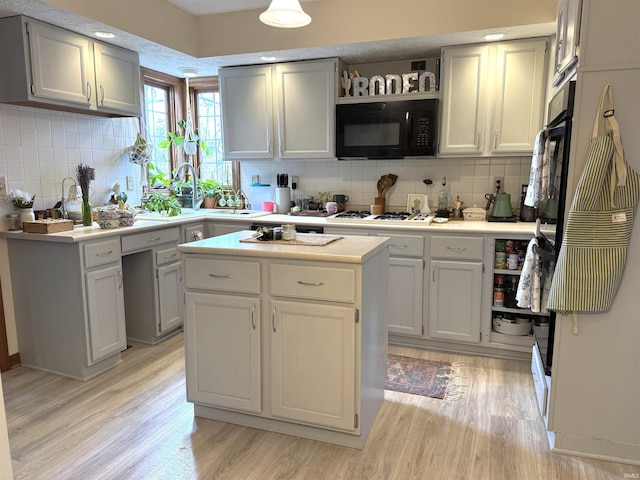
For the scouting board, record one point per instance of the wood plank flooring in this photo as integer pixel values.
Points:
(133, 422)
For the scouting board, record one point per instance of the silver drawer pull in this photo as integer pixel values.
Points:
(395, 245)
(104, 254)
(311, 284)
(154, 239)
(214, 275)
(170, 256)
(457, 249)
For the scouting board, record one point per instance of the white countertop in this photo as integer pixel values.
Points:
(348, 249)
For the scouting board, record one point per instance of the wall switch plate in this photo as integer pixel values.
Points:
(130, 182)
(255, 179)
(498, 181)
(3, 186)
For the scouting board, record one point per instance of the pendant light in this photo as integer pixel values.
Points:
(285, 14)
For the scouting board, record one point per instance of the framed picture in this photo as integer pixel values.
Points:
(416, 203)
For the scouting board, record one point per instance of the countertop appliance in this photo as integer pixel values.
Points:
(388, 218)
(389, 129)
(552, 205)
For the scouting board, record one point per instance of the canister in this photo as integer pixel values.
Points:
(512, 261)
(288, 232)
(498, 297)
(501, 260)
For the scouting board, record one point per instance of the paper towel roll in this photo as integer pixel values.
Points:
(283, 199)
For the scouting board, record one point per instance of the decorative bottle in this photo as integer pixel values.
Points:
(87, 213)
(443, 199)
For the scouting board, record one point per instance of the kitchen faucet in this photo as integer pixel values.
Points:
(196, 199)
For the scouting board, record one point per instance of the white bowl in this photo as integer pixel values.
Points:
(501, 326)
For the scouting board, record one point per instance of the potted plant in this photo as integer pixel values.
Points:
(188, 139)
(210, 188)
(157, 178)
(163, 205)
(140, 151)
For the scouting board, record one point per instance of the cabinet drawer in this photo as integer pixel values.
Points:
(404, 245)
(142, 241)
(101, 253)
(167, 255)
(460, 248)
(333, 284)
(222, 275)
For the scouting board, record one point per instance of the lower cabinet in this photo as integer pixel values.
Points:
(105, 304)
(313, 363)
(455, 291)
(170, 297)
(222, 336)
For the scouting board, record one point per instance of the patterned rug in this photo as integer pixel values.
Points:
(428, 378)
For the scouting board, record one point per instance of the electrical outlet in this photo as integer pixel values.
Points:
(294, 179)
(498, 182)
(255, 179)
(130, 182)
(3, 186)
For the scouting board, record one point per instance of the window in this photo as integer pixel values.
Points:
(164, 105)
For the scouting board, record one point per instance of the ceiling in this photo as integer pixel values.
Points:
(164, 59)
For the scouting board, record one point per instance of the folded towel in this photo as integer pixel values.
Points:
(528, 292)
(535, 175)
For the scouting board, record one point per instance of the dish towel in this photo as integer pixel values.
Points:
(534, 190)
(599, 225)
(528, 292)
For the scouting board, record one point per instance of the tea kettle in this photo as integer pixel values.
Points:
(502, 206)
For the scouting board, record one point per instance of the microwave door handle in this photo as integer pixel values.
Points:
(407, 125)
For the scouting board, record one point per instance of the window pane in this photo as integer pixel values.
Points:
(157, 121)
(210, 129)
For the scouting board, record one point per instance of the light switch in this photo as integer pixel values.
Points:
(130, 182)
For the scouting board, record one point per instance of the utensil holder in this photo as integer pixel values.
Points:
(382, 201)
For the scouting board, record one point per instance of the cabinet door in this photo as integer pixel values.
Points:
(404, 297)
(61, 64)
(170, 297)
(313, 364)
(305, 99)
(117, 74)
(222, 342)
(247, 112)
(463, 99)
(519, 103)
(455, 300)
(105, 305)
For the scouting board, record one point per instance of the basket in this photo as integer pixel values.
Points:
(474, 214)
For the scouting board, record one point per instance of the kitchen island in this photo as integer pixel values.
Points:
(287, 337)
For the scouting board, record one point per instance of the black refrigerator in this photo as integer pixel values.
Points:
(554, 202)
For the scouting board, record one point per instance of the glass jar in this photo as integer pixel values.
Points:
(13, 221)
(288, 232)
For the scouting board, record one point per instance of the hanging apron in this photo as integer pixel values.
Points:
(599, 225)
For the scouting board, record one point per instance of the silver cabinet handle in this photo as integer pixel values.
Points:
(253, 311)
(269, 146)
(170, 256)
(88, 92)
(311, 284)
(215, 275)
(281, 145)
(457, 249)
(395, 245)
(495, 139)
(153, 239)
(479, 139)
(433, 273)
(120, 278)
(273, 319)
(101, 95)
(104, 254)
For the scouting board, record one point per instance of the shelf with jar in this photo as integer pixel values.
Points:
(510, 324)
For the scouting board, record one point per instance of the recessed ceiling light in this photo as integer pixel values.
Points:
(104, 35)
(494, 36)
(267, 58)
(189, 72)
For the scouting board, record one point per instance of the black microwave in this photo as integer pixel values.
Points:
(388, 129)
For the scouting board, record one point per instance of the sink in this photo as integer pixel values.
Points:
(156, 217)
(234, 213)
(208, 212)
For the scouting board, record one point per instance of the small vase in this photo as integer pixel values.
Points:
(87, 213)
(26, 215)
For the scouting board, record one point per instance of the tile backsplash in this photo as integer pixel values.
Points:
(39, 148)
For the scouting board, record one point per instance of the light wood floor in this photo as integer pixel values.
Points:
(133, 423)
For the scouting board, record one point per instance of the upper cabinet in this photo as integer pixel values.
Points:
(492, 98)
(567, 38)
(280, 111)
(49, 67)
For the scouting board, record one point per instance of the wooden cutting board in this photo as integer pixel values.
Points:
(47, 226)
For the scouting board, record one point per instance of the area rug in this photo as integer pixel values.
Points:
(428, 378)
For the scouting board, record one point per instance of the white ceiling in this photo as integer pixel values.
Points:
(164, 59)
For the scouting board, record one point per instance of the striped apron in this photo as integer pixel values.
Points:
(599, 225)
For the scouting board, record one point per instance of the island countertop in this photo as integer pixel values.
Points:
(346, 249)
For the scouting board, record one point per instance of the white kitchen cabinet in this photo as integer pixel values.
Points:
(281, 111)
(105, 306)
(493, 98)
(54, 68)
(567, 38)
(455, 292)
(170, 297)
(222, 338)
(313, 363)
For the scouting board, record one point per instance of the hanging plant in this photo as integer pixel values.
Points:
(189, 140)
